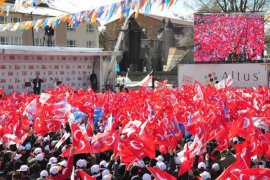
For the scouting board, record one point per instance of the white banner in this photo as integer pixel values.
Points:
(15, 70)
(243, 75)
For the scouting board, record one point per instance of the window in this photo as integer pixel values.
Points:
(39, 42)
(15, 19)
(90, 44)
(71, 43)
(15, 41)
(90, 28)
(10, 1)
(3, 40)
(3, 20)
(70, 28)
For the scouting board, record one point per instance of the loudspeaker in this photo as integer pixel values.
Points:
(27, 84)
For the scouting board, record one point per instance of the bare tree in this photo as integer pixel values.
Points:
(234, 5)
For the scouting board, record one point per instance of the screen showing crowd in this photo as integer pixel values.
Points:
(228, 37)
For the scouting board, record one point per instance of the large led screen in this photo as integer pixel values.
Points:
(228, 37)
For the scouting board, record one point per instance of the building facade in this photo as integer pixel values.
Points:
(85, 35)
(158, 37)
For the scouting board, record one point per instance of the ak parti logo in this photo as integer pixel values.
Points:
(211, 79)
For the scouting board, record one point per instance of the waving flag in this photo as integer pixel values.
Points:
(44, 97)
(62, 140)
(104, 141)
(78, 115)
(79, 140)
(137, 148)
(254, 173)
(160, 175)
(85, 176)
(31, 109)
(98, 113)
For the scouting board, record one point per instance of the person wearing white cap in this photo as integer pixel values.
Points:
(215, 170)
(52, 160)
(17, 156)
(44, 174)
(41, 160)
(24, 171)
(28, 146)
(81, 163)
(146, 177)
(103, 164)
(235, 140)
(205, 175)
(37, 151)
(107, 177)
(202, 166)
(95, 170)
(46, 139)
(162, 166)
(105, 172)
(39, 157)
(160, 158)
(63, 163)
(47, 148)
(55, 169)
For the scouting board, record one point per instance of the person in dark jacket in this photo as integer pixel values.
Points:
(54, 170)
(37, 85)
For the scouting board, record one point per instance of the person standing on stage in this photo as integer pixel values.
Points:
(37, 85)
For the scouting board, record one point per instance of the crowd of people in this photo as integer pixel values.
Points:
(192, 132)
(228, 37)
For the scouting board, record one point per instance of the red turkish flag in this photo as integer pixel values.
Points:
(254, 173)
(161, 175)
(79, 141)
(85, 176)
(137, 148)
(187, 164)
(104, 141)
(238, 164)
(243, 152)
(53, 125)
(40, 126)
